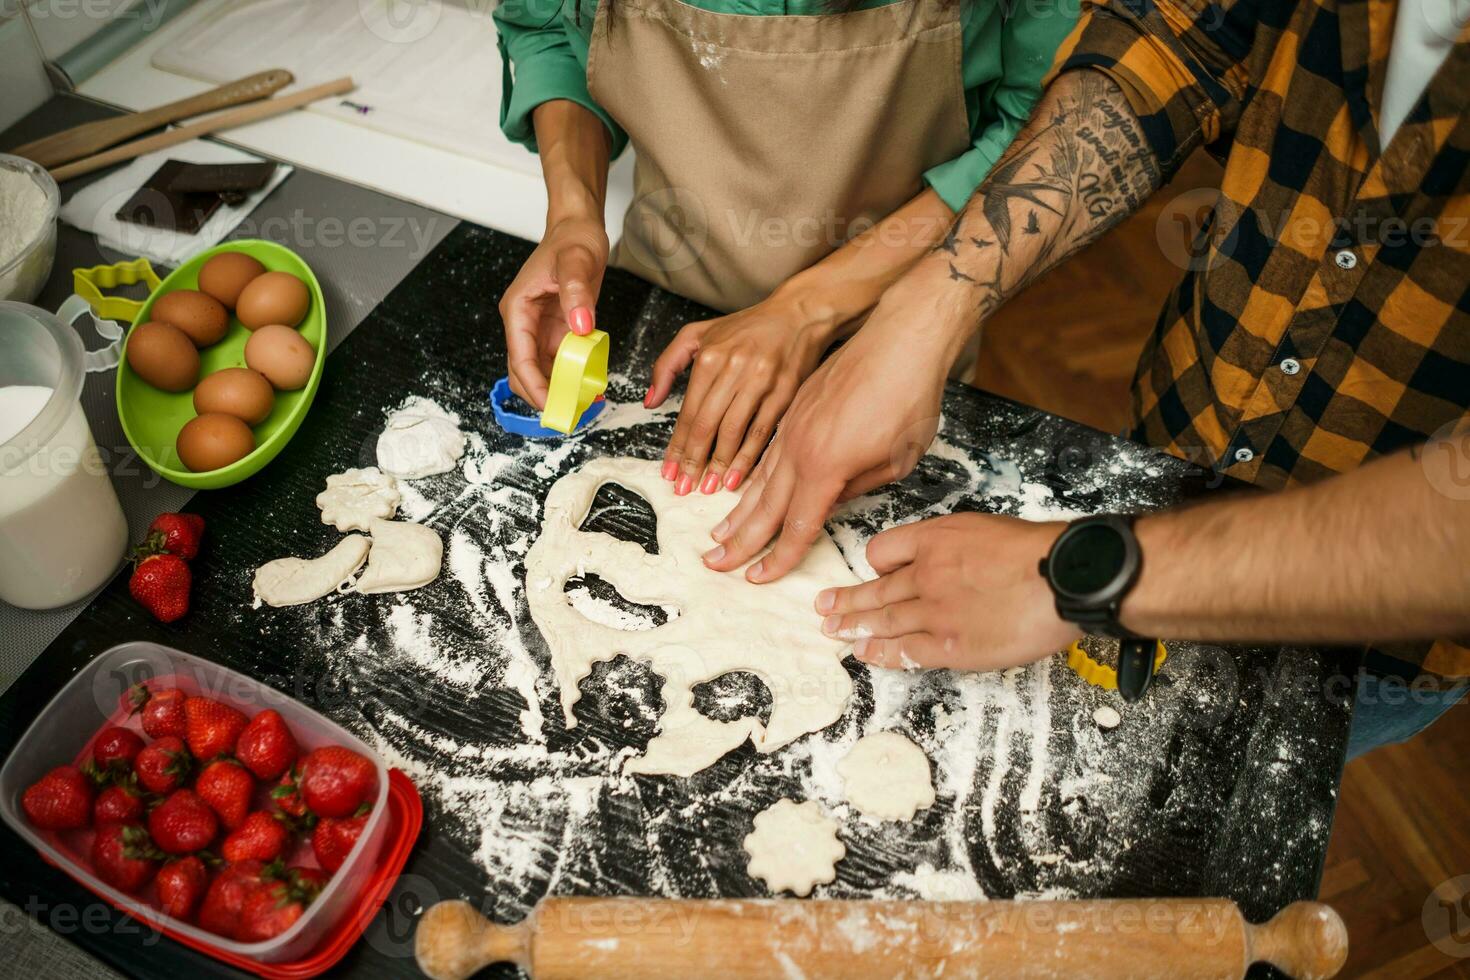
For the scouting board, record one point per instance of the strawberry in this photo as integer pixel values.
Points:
(274, 906)
(334, 837)
(119, 803)
(59, 800)
(266, 746)
(181, 885)
(335, 781)
(163, 711)
(163, 766)
(262, 837)
(115, 749)
(226, 787)
(160, 582)
(287, 796)
(180, 534)
(123, 856)
(220, 912)
(183, 823)
(213, 728)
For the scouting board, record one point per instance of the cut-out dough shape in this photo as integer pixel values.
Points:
(887, 777)
(793, 847)
(292, 581)
(405, 556)
(725, 623)
(353, 498)
(420, 439)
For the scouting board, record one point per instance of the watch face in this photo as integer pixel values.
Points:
(1089, 559)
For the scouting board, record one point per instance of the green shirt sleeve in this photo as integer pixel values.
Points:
(1029, 38)
(541, 64)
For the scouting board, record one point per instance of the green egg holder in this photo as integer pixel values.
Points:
(151, 419)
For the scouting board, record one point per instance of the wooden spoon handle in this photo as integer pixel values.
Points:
(77, 142)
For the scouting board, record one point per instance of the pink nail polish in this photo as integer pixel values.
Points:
(580, 320)
(670, 470)
(685, 484)
(711, 483)
(648, 397)
(733, 478)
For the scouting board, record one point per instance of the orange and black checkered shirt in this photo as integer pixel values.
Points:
(1326, 317)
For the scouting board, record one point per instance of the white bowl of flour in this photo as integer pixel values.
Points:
(29, 201)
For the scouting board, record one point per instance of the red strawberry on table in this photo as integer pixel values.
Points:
(115, 749)
(123, 856)
(287, 795)
(220, 912)
(334, 838)
(212, 727)
(274, 906)
(226, 787)
(183, 823)
(59, 800)
(262, 837)
(161, 582)
(162, 711)
(266, 746)
(180, 534)
(181, 884)
(119, 803)
(163, 766)
(335, 781)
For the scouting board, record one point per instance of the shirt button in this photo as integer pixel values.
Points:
(1347, 259)
(1243, 455)
(1290, 366)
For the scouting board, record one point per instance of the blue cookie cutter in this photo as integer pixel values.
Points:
(530, 425)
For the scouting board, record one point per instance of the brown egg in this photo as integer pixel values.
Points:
(163, 355)
(208, 442)
(225, 274)
(200, 316)
(282, 355)
(275, 297)
(236, 391)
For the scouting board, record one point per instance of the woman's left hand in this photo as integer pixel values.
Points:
(747, 368)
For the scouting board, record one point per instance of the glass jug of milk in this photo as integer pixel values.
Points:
(62, 530)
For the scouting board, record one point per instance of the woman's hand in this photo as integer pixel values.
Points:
(961, 592)
(556, 291)
(747, 368)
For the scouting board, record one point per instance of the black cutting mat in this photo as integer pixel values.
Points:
(1221, 783)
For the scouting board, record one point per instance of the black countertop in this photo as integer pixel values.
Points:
(1221, 782)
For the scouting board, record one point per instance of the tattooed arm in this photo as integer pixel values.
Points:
(866, 416)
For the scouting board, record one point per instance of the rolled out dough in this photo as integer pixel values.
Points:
(292, 581)
(725, 624)
(886, 777)
(405, 556)
(793, 847)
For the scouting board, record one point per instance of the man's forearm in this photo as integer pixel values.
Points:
(1079, 167)
(1376, 555)
(575, 149)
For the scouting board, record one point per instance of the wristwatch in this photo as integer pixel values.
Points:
(1091, 568)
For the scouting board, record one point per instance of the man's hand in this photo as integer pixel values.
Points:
(960, 592)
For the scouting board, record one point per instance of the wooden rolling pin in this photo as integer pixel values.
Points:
(668, 939)
(212, 124)
(77, 142)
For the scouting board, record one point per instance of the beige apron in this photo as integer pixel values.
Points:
(765, 142)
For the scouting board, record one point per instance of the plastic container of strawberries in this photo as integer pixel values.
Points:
(91, 701)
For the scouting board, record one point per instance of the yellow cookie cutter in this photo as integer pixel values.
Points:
(89, 283)
(578, 377)
(1101, 675)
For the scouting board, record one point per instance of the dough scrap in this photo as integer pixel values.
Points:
(405, 556)
(725, 623)
(353, 498)
(420, 439)
(292, 581)
(886, 777)
(1107, 717)
(793, 847)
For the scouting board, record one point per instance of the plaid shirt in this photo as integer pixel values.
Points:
(1325, 319)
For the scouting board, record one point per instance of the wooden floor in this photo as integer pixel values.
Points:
(1070, 345)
